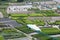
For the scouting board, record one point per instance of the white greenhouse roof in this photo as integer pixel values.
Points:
(34, 27)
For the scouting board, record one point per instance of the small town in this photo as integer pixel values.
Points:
(29, 19)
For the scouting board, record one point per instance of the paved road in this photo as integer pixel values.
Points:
(48, 18)
(10, 22)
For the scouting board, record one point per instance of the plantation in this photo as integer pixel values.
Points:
(57, 23)
(36, 15)
(1, 37)
(33, 16)
(11, 33)
(42, 13)
(54, 23)
(50, 31)
(37, 22)
(19, 15)
(45, 37)
(58, 38)
(41, 37)
(25, 29)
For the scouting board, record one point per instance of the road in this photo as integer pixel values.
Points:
(9, 22)
(47, 18)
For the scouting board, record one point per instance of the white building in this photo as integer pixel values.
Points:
(43, 5)
(14, 9)
(33, 27)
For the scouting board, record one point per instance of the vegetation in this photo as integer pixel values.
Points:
(41, 13)
(40, 37)
(11, 33)
(54, 23)
(1, 37)
(58, 38)
(36, 15)
(57, 23)
(19, 15)
(25, 29)
(50, 31)
(37, 22)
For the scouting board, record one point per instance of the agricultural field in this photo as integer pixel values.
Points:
(37, 22)
(3, 7)
(54, 23)
(42, 13)
(11, 33)
(58, 38)
(50, 31)
(44, 35)
(41, 37)
(19, 15)
(1, 37)
(23, 18)
(25, 29)
(28, 18)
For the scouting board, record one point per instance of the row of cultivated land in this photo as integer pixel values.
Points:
(25, 29)
(45, 14)
(49, 31)
(37, 22)
(11, 33)
(55, 23)
(3, 7)
(23, 19)
(45, 31)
